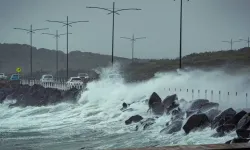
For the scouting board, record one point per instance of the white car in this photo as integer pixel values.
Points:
(74, 82)
(47, 78)
(2, 76)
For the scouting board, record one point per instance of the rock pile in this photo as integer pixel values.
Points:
(36, 95)
(200, 114)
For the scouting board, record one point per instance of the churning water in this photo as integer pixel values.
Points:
(96, 121)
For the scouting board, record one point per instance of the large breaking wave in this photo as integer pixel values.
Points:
(96, 121)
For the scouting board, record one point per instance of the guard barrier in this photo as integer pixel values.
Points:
(61, 85)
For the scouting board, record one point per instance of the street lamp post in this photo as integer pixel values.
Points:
(248, 41)
(114, 11)
(56, 36)
(133, 39)
(67, 24)
(231, 42)
(180, 57)
(31, 31)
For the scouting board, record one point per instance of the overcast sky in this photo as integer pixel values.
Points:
(205, 24)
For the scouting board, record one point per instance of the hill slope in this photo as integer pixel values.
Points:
(17, 55)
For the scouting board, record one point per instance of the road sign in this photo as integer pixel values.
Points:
(18, 70)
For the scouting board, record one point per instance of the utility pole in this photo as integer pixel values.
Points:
(231, 42)
(56, 36)
(133, 39)
(67, 23)
(180, 57)
(114, 11)
(248, 41)
(31, 31)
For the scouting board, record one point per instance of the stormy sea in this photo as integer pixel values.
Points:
(96, 121)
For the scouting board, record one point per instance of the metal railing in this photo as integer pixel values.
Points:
(58, 84)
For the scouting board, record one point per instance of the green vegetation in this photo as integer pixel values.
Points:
(17, 55)
(232, 59)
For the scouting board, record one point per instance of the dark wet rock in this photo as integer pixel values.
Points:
(3, 96)
(71, 94)
(177, 114)
(237, 140)
(37, 95)
(169, 101)
(208, 106)
(172, 107)
(196, 121)
(134, 119)
(145, 124)
(53, 96)
(19, 91)
(154, 98)
(223, 117)
(124, 105)
(244, 122)
(236, 118)
(200, 106)
(191, 112)
(226, 128)
(157, 108)
(212, 113)
(243, 133)
(196, 104)
(175, 126)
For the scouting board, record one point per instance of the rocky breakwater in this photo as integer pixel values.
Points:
(192, 116)
(36, 95)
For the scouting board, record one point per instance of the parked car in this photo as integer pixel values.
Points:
(3, 76)
(15, 77)
(74, 82)
(47, 78)
(83, 76)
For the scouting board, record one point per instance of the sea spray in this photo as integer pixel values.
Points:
(96, 121)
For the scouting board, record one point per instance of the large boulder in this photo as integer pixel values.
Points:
(212, 113)
(175, 126)
(177, 114)
(71, 94)
(208, 106)
(226, 128)
(134, 119)
(154, 98)
(236, 118)
(169, 101)
(223, 117)
(196, 121)
(243, 133)
(145, 124)
(244, 122)
(237, 140)
(53, 96)
(196, 104)
(157, 108)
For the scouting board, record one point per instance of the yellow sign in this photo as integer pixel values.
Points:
(18, 70)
